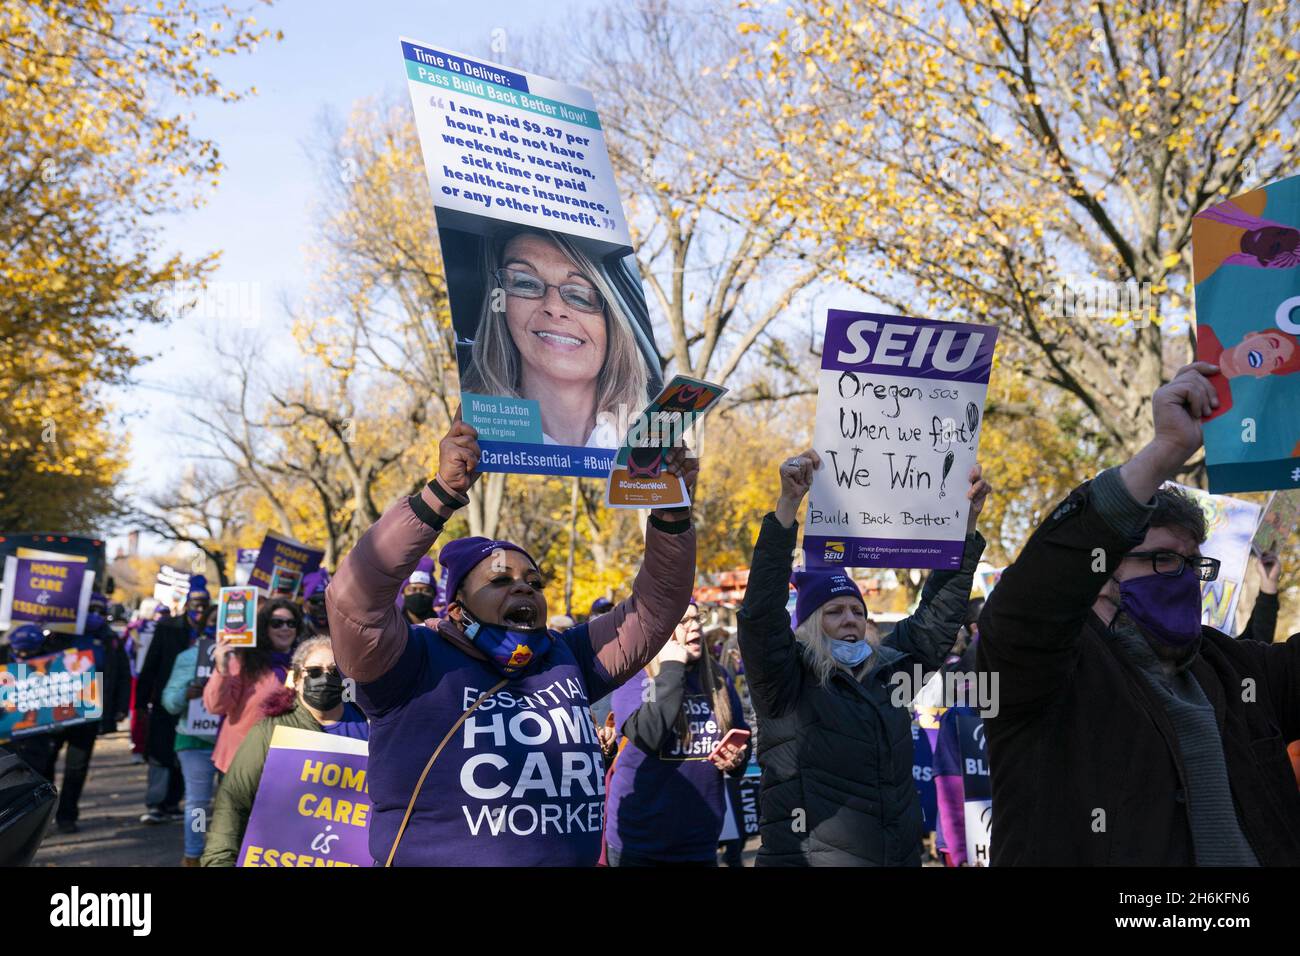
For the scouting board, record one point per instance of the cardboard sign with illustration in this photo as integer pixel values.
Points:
(638, 479)
(237, 616)
(1279, 523)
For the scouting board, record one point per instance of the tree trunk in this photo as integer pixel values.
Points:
(573, 542)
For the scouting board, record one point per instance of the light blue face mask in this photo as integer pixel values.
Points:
(850, 653)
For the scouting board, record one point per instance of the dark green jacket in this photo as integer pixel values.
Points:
(234, 801)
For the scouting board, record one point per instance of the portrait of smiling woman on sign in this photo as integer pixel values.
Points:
(557, 329)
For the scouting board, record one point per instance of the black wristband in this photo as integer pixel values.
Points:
(446, 497)
(425, 513)
(672, 527)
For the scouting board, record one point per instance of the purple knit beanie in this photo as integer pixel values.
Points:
(460, 556)
(815, 588)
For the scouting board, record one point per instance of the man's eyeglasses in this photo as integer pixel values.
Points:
(1171, 564)
(525, 285)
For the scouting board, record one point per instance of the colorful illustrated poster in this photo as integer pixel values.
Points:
(237, 616)
(312, 808)
(1280, 520)
(46, 588)
(554, 342)
(1230, 524)
(667, 421)
(1246, 262)
(638, 479)
(283, 562)
(198, 720)
(900, 403)
(44, 693)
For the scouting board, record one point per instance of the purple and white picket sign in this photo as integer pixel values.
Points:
(245, 559)
(46, 588)
(312, 807)
(900, 403)
(283, 559)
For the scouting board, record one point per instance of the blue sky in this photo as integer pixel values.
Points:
(260, 216)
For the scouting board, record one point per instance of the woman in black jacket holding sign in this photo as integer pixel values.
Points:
(835, 737)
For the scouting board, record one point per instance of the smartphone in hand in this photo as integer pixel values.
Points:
(731, 744)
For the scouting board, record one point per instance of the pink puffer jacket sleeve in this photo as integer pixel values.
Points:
(366, 628)
(628, 637)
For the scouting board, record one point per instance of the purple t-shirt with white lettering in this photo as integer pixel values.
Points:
(669, 805)
(519, 784)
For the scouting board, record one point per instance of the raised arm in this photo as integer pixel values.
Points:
(628, 637)
(1263, 617)
(367, 630)
(1031, 625)
(767, 642)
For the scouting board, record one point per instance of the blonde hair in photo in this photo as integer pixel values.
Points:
(495, 368)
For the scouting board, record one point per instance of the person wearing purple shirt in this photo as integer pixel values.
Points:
(666, 801)
(482, 748)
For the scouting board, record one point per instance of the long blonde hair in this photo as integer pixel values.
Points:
(496, 370)
(714, 682)
(817, 646)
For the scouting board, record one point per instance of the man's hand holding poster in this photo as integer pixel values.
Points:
(1246, 263)
(899, 408)
(553, 336)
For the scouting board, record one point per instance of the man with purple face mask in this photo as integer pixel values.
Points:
(1126, 733)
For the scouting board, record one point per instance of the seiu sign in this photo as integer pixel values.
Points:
(915, 348)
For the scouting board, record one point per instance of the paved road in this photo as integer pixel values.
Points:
(111, 833)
